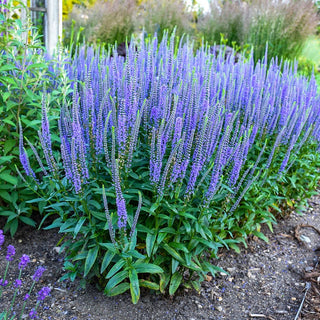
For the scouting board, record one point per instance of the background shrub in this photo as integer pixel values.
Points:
(162, 15)
(104, 22)
(67, 5)
(284, 25)
(230, 19)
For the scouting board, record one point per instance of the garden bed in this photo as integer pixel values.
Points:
(265, 281)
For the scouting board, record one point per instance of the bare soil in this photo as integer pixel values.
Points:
(264, 281)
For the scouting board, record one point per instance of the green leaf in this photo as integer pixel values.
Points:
(13, 227)
(173, 253)
(168, 230)
(147, 268)
(179, 246)
(5, 96)
(8, 121)
(36, 200)
(99, 215)
(115, 280)
(8, 178)
(150, 240)
(149, 284)
(36, 66)
(115, 268)
(9, 145)
(7, 79)
(96, 204)
(234, 247)
(5, 159)
(134, 175)
(5, 195)
(175, 283)
(106, 260)
(91, 258)
(134, 285)
(7, 67)
(196, 285)
(136, 254)
(154, 207)
(109, 246)
(8, 213)
(207, 266)
(11, 104)
(164, 280)
(55, 224)
(174, 265)
(79, 225)
(143, 229)
(187, 226)
(161, 237)
(209, 244)
(260, 235)
(68, 226)
(187, 215)
(28, 221)
(121, 288)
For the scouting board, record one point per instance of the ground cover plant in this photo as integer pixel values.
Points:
(166, 156)
(14, 311)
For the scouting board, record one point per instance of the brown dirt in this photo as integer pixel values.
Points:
(265, 281)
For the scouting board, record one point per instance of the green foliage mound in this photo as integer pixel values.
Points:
(166, 156)
(24, 74)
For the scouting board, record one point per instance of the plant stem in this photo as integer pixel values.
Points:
(4, 277)
(25, 302)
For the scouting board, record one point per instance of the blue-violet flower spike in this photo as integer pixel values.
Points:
(1, 238)
(17, 283)
(10, 252)
(38, 274)
(43, 293)
(24, 260)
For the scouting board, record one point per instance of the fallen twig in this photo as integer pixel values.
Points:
(308, 286)
(312, 275)
(257, 315)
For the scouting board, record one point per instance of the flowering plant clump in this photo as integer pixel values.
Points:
(188, 153)
(11, 311)
(24, 73)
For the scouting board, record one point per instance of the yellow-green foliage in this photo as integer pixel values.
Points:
(68, 5)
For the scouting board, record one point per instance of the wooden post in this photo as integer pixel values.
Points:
(53, 24)
(33, 13)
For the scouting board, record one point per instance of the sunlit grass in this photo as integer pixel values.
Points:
(311, 50)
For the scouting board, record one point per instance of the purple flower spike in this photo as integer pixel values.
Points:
(26, 297)
(24, 260)
(1, 238)
(17, 283)
(10, 252)
(3, 283)
(43, 293)
(38, 274)
(33, 314)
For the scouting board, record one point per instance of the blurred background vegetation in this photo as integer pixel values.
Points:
(288, 27)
